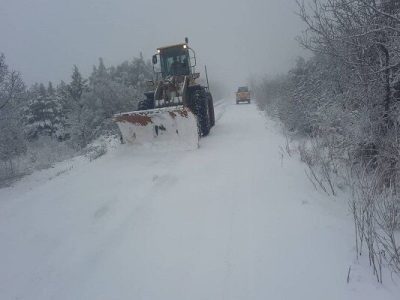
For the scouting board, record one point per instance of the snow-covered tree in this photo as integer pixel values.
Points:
(74, 105)
(43, 113)
(12, 96)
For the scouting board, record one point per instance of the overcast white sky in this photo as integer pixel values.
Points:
(44, 38)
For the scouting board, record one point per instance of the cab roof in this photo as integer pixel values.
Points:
(172, 46)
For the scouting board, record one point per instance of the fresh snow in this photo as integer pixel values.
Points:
(230, 220)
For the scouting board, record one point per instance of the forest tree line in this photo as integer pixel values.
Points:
(342, 106)
(45, 123)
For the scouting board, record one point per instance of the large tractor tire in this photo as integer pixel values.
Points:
(202, 112)
(211, 109)
(145, 104)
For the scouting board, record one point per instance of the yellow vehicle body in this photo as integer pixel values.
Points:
(243, 95)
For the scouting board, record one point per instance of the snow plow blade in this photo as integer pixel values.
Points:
(169, 126)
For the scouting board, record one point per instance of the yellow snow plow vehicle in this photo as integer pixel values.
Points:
(177, 109)
(243, 95)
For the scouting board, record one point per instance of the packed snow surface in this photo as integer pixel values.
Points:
(233, 219)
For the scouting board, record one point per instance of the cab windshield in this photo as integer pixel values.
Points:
(174, 61)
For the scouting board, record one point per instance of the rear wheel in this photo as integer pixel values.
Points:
(211, 109)
(201, 109)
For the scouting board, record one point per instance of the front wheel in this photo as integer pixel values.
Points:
(145, 104)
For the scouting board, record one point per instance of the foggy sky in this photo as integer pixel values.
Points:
(44, 38)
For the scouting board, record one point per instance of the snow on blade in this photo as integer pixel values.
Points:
(165, 127)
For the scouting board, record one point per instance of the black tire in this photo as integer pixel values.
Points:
(145, 104)
(211, 109)
(199, 99)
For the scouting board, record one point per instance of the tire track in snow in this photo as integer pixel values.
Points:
(240, 250)
(220, 108)
(226, 295)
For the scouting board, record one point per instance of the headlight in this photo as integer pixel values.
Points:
(184, 46)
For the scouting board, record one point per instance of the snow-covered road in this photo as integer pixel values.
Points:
(231, 220)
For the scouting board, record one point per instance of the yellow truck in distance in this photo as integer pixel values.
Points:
(243, 95)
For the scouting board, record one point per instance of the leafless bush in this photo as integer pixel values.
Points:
(41, 154)
(320, 166)
(376, 214)
(44, 152)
